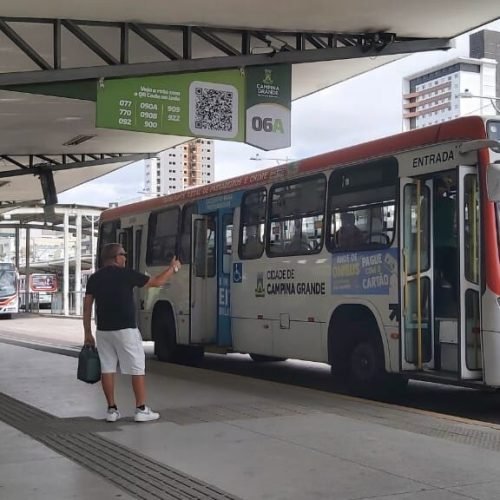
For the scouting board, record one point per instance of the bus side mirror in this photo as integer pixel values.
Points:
(493, 182)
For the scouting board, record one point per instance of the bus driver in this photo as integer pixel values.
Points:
(348, 235)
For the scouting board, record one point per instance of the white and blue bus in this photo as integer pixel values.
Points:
(334, 259)
(9, 289)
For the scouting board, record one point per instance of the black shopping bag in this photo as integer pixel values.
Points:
(89, 365)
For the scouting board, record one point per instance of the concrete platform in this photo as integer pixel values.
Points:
(225, 437)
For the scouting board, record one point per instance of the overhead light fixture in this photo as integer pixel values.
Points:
(78, 139)
(69, 119)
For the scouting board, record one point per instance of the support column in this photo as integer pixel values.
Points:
(27, 295)
(78, 265)
(92, 246)
(66, 266)
(17, 244)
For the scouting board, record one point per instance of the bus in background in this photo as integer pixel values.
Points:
(380, 259)
(42, 286)
(9, 291)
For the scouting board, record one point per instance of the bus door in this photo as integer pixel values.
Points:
(225, 243)
(203, 293)
(139, 293)
(130, 239)
(416, 300)
(470, 358)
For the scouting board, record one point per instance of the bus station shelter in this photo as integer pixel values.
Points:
(53, 53)
(65, 219)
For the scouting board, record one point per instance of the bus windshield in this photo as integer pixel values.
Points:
(8, 285)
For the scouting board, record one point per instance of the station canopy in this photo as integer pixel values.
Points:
(53, 52)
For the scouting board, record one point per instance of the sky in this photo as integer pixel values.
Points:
(360, 109)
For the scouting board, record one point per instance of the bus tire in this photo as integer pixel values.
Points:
(395, 384)
(261, 358)
(366, 368)
(191, 355)
(166, 348)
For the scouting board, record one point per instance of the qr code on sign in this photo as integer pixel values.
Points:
(213, 110)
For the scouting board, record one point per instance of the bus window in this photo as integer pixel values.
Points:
(227, 223)
(162, 237)
(107, 234)
(253, 216)
(471, 230)
(185, 235)
(137, 249)
(125, 238)
(361, 207)
(493, 132)
(296, 217)
(204, 243)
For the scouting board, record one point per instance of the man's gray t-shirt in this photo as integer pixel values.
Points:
(112, 289)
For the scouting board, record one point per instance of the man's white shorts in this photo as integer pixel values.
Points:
(121, 349)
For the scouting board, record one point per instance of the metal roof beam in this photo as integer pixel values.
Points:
(238, 47)
(14, 162)
(23, 45)
(73, 27)
(213, 63)
(154, 41)
(216, 41)
(54, 165)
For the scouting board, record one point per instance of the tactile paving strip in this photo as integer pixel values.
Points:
(135, 473)
(473, 434)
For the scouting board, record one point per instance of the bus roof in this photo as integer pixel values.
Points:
(471, 127)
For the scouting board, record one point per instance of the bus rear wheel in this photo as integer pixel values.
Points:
(365, 368)
(261, 358)
(166, 348)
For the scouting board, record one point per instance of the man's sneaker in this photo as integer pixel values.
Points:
(145, 415)
(112, 415)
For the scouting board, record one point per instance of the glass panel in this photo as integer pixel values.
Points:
(297, 216)
(412, 321)
(185, 241)
(108, 233)
(200, 248)
(253, 216)
(211, 247)
(472, 331)
(125, 240)
(8, 285)
(363, 227)
(493, 130)
(416, 216)
(471, 228)
(366, 192)
(227, 222)
(137, 254)
(162, 237)
(204, 248)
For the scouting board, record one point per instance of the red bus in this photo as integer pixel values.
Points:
(41, 288)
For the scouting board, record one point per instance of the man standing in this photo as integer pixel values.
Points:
(118, 338)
